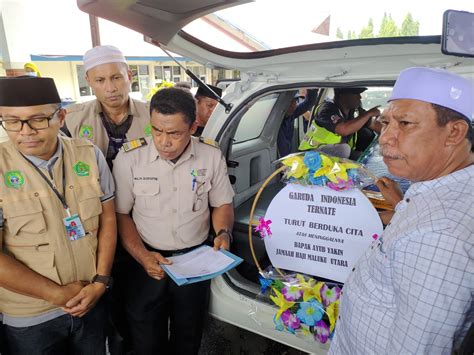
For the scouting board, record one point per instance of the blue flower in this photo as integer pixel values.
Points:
(312, 160)
(310, 312)
(278, 324)
(353, 174)
(320, 180)
(264, 283)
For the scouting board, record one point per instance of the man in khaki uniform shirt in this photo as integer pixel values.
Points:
(168, 183)
(110, 120)
(57, 227)
(113, 117)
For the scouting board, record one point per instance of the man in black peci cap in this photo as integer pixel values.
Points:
(337, 130)
(205, 105)
(57, 226)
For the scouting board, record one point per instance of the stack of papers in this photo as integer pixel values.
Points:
(200, 264)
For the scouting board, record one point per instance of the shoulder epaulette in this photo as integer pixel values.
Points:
(132, 145)
(208, 141)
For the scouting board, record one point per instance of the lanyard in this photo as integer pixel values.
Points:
(55, 190)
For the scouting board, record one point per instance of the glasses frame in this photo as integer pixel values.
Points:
(27, 122)
(197, 196)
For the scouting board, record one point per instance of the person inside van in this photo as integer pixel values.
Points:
(205, 105)
(295, 110)
(342, 127)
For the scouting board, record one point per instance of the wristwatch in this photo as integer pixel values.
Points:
(108, 281)
(226, 231)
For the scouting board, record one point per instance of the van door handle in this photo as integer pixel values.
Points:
(232, 163)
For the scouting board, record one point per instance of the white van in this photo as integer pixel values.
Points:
(269, 79)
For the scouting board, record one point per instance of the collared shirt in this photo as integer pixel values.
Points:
(170, 201)
(107, 185)
(412, 291)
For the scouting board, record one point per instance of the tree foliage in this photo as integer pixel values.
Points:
(388, 27)
(367, 31)
(410, 27)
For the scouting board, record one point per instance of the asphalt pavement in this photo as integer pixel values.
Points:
(221, 338)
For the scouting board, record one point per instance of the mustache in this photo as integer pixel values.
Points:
(385, 152)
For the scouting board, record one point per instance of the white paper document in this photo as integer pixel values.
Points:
(199, 262)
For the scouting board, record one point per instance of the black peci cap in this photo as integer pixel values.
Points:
(24, 91)
(202, 91)
(342, 91)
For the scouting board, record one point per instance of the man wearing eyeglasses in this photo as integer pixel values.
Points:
(58, 230)
(168, 182)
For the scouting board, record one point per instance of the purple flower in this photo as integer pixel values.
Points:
(321, 332)
(330, 295)
(341, 185)
(290, 320)
(310, 312)
(312, 160)
(291, 293)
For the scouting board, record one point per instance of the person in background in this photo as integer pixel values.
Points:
(205, 105)
(412, 290)
(57, 227)
(295, 110)
(183, 85)
(109, 121)
(165, 188)
(113, 118)
(31, 70)
(342, 127)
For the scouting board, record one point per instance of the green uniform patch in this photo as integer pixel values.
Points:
(81, 169)
(14, 179)
(136, 143)
(147, 130)
(86, 132)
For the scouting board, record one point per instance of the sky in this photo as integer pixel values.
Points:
(280, 23)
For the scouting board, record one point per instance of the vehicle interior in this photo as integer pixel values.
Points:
(252, 156)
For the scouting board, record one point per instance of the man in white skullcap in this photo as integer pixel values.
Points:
(114, 117)
(412, 290)
(109, 121)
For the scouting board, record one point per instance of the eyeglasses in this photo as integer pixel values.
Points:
(35, 123)
(197, 197)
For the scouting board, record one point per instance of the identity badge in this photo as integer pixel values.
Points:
(74, 228)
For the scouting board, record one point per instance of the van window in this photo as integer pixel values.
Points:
(253, 121)
(376, 96)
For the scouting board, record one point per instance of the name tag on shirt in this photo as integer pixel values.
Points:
(74, 228)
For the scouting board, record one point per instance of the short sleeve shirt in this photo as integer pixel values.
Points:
(170, 201)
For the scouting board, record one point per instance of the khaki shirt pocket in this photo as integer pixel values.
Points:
(41, 262)
(90, 206)
(85, 254)
(24, 217)
(198, 200)
(147, 197)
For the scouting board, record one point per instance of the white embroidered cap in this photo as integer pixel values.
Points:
(102, 55)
